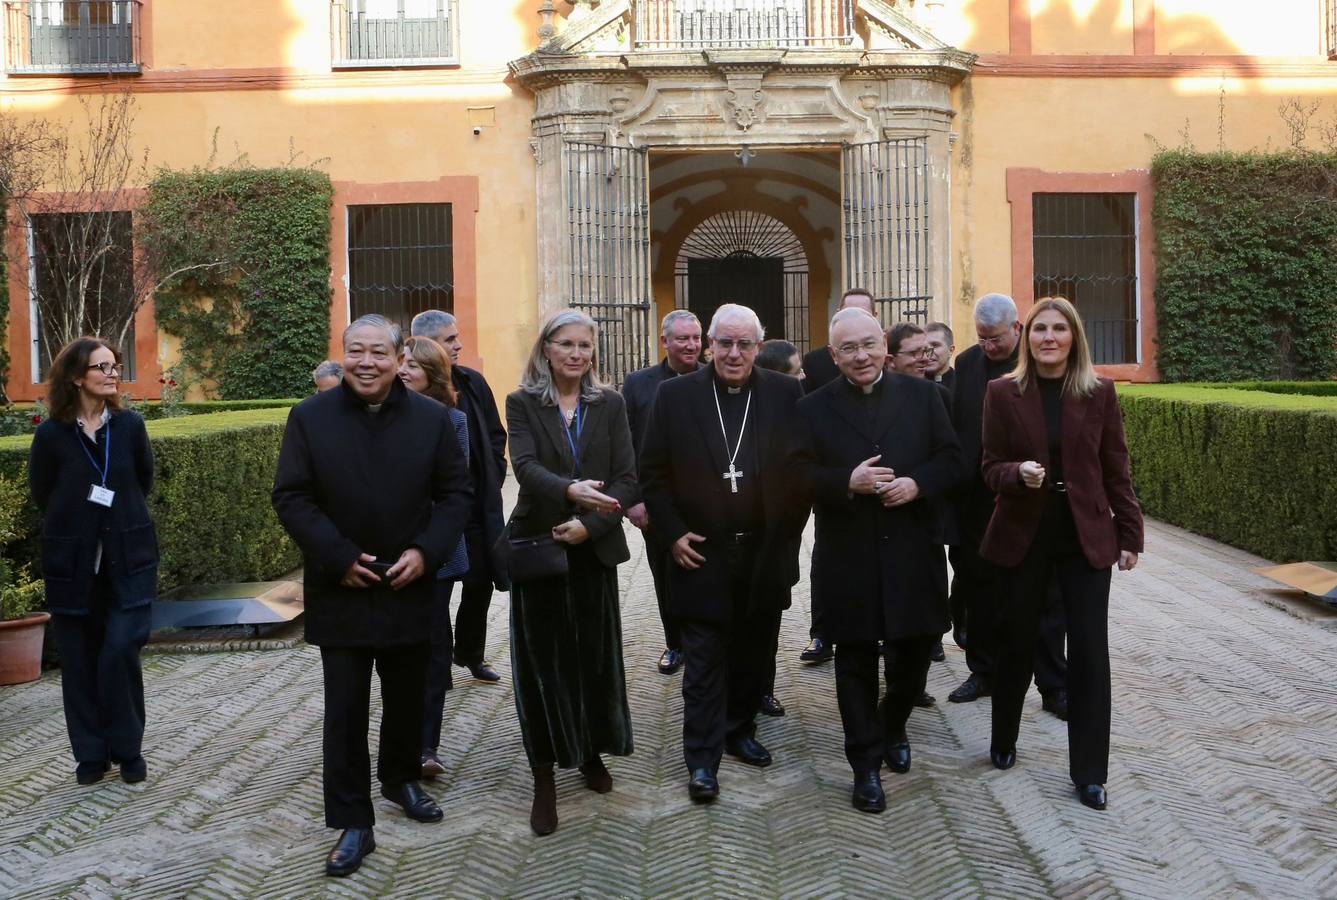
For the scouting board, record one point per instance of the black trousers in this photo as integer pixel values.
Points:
(814, 607)
(438, 666)
(657, 555)
(101, 682)
(872, 728)
(768, 663)
(347, 779)
(1085, 593)
(471, 620)
(725, 672)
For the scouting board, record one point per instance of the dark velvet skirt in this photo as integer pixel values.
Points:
(566, 665)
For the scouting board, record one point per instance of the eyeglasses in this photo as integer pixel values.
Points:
(848, 350)
(108, 369)
(922, 353)
(572, 346)
(726, 345)
(996, 340)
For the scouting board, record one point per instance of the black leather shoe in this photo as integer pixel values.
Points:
(817, 651)
(1003, 759)
(348, 852)
(971, 690)
(1092, 795)
(670, 661)
(898, 757)
(417, 805)
(937, 654)
(772, 707)
(134, 771)
(703, 786)
(868, 796)
(1056, 702)
(749, 750)
(431, 766)
(484, 672)
(925, 700)
(90, 772)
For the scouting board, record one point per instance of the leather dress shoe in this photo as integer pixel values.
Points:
(937, 654)
(1092, 795)
(1056, 702)
(1003, 759)
(898, 757)
(971, 690)
(349, 850)
(817, 651)
(670, 661)
(416, 804)
(749, 750)
(90, 772)
(703, 786)
(597, 776)
(134, 771)
(925, 700)
(431, 766)
(484, 672)
(771, 706)
(868, 796)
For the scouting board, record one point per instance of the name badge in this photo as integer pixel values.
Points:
(100, 495)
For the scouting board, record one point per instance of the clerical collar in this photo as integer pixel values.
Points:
(751, 378)
(867, 388)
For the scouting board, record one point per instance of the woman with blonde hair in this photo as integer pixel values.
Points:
(572, 454)
(1055, 455)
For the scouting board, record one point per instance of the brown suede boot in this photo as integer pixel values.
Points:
(597, 778)
(543, 814)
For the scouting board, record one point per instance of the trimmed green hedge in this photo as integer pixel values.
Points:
(1315, 388)
(210, 501)
(1252, 469)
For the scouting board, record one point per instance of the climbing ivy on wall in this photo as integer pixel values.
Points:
(4, 305)
(251, 304)
(1246, 265)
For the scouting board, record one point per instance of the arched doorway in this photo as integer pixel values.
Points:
(748, 257)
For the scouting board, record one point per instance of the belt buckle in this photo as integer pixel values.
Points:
(1059, 487)
(741, 537)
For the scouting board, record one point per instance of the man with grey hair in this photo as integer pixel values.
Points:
(680, 339)
(714, 467)
(487, 466)
(373, 488)
(327, 375)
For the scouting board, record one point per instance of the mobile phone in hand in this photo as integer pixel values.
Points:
(379, 567)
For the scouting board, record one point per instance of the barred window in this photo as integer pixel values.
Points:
(400, 260)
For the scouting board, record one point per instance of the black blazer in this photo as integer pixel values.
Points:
(819, 369)
(545, 467)
(878, 572)
(60, 476)
(639, 392)
(350, 481)
(680, 468)
(487, 465)
(974, 499)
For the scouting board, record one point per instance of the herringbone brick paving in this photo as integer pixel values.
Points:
(1223, 778)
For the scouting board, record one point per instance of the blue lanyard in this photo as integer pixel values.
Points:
(580, 426)
(105, 470)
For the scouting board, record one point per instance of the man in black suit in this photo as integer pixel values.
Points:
(373, 488)
(818, 369)
(976, 583)
(680, 339)
(878, 447)
(715, 468)
(943, 344)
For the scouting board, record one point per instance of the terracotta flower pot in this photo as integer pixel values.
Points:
(21, 648)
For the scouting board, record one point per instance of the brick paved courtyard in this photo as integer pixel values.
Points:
(1223, 778)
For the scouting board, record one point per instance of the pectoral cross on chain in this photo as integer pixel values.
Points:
(733, 475)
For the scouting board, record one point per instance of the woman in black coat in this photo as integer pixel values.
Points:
(91, 470)
(572, 454)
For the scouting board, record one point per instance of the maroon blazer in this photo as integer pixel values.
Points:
(1095, 469)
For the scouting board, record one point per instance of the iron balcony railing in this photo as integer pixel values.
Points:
(674, 24)
(71, 37)
(372, 33)
(1330, 13)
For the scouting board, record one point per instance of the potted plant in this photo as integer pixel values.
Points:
(22, 623)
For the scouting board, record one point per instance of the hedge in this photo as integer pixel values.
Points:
(1316, 388)
(210, 501)
(1248, 468)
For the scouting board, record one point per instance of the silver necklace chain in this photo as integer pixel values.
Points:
(720, 412)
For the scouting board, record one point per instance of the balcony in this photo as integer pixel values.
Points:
(1330, 14)
(394, 33)
(71, 37)
(681, 24)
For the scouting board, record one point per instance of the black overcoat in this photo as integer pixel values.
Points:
(681, 465)
(878, 572)
(819, 369)
(351, 481)
(487, 440)
(639, 392)
(60, 475)
(545, 468)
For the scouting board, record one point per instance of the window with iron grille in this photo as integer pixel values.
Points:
(72, 36)
(1330, 17)
(400, 260)
(395, 32)
(1086, 251)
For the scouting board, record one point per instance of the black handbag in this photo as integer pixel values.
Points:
(534, 558)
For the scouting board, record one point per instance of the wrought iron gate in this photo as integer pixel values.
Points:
(608, 209)
(886, 204)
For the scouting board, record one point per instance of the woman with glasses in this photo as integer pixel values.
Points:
(91, 470)
(1055, 455)
(572, 454)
